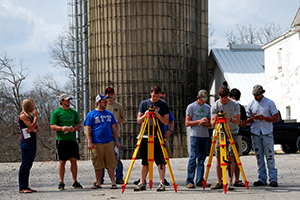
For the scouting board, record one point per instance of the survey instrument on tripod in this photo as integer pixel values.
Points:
(225, 133)
(152, 133)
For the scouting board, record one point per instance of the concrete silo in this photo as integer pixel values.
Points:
(134, 44)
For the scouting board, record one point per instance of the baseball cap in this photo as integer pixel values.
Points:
(257, 90)
(109, 89)
(100, 97)
(64, 96)
(203, 95)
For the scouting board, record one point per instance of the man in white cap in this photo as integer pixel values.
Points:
(261, 113)
(100, 129)
(65, 121)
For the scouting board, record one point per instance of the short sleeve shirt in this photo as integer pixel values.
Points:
(196, 112)
(266, 107)
(117, 109)
(163, 110)
(68, 118)
(100, 123)
(232, 108)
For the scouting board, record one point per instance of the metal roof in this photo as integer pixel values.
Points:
(242, 67)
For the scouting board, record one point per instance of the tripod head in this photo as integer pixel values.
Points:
(221, 114)
(151, 108)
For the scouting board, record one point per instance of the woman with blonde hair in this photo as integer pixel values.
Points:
(29, 128)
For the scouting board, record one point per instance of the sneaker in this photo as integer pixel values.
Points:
(161, 187)
(201, 185)
(259, 183)
(230, 186)
(138, 181)
(77, 185)
(166, 183)
(61, 185)
(273, 184)
(120, 182)
(216, 186)
(140, 187)
(190, 185)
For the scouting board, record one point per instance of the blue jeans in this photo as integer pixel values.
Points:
(119, 169)
(28, 154)
(263, 146)
(198, 154)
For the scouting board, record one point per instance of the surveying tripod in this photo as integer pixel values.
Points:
(155, 126)
(222, 123)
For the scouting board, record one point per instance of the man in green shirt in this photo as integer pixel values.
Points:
(65, 121)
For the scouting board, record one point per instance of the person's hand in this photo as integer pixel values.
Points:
(156, 111)
(146, 113)
(118, 145)
(37, 130)
(65, 129)
(258, 116)
(167, 134)
(91, 146)
(28, 130)
(228, 118)
(35, 113)
(203, 120)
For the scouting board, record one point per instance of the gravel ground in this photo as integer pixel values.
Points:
(44, 178)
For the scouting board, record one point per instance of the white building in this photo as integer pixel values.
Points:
(282, 71)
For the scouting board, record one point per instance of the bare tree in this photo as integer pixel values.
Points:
(11, 97)
(54, 88)
(12, 78)
(62, 55)
(269, 32)
(252, 34)
(212, 39)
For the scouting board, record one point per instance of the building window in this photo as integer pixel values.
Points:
(288, 112)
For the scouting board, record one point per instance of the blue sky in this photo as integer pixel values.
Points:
(27, 29)
(29, 26)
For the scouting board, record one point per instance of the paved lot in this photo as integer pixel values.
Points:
(44, 178)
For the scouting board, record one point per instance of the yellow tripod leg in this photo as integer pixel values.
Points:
(236, 155)
(150, 155)
(165, 153)
(211, 153)
(146, 122)
(223, 157)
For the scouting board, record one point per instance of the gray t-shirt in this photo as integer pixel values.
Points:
(196, 112)
(231, 108)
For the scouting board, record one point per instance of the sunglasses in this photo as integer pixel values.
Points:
(104, 101)
(162, 97)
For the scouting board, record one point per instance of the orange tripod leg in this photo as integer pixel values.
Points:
(150, 155)
(236, 155)
(165, 153)
(146, 122)
(211, 153)
(223, 157)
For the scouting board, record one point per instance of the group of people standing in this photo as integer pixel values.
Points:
(104, 140)
(103, 136)
(261, 112)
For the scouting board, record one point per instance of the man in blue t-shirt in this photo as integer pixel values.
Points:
(100, 130)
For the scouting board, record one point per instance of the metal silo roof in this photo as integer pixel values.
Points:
(242, 67)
